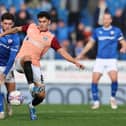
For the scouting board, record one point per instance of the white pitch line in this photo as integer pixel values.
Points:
(86, 112)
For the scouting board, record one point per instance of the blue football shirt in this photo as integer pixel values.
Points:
(107, 40)
(9, 46)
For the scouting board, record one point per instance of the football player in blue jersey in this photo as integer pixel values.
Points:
(9, 46)
(107, 38)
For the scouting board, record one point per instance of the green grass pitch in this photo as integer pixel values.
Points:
(67, 115)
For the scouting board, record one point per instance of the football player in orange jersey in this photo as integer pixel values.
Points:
(36, 43)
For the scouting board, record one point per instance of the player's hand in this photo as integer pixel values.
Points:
(2, 78)
(80, 66)
(79, 57)
(123, 50)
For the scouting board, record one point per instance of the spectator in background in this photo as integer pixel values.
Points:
(67, 46)
(99, 12)
(53, 28)
(22, 18)
(79, 45)
(87, 33)
(117, 19)
(2, 9)
(54, 15)
(92, 52)
(79, 32)
(46, 5)
(124, 21)
(63, 31)
(12, 10)
(83, 33)
(74, 7)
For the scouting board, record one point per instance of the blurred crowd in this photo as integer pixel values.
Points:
(72, 22)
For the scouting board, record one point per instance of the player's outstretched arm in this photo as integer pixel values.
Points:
(11, 31)
(88, 46)
(69, 58)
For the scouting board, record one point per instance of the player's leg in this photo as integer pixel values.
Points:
(94, 89)
(23, 65)
(40, 96)
(36, 101)
(113, 74)
(26, 64)
(9, 80)
(10, 86)
(97, 73)
(114, 87)
(2, 113)
(37, 98)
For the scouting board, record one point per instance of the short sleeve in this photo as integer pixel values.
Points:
(120, 35)
(55, 44)
(25, 28)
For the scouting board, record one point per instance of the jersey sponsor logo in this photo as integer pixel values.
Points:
(106, 37)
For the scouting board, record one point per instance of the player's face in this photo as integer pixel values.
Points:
(107, 20)
(43, 23)
(7, 24)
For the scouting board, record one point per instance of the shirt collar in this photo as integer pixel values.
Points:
(44, 30)
(107, 28)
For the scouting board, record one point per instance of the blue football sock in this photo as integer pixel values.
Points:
(94, 90)
(114, 87)
(1, 102)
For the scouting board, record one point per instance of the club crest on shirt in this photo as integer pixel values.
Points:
(45, 38)
(10, 41)
(100, 32)
(112, 32)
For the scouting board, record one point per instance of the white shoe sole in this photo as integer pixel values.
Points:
(96, 105)
(2, 115)
(113, 103)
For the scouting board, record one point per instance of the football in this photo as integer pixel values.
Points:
(16, 98)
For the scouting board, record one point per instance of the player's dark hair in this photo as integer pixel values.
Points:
(7, 16)
(44, 14)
